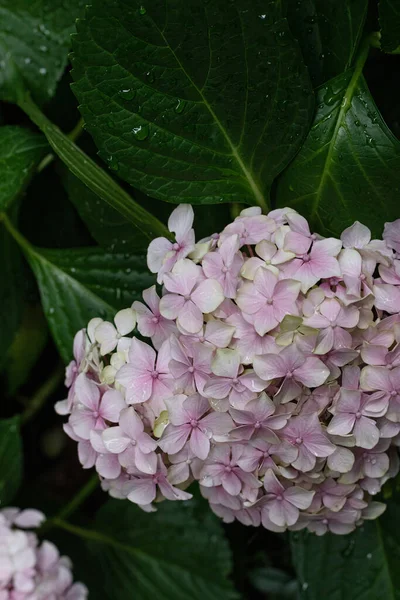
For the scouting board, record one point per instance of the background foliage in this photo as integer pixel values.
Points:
(225, 103)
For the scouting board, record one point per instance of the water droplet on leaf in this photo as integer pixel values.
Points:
(180, 107)
(141, 132)
(127, 93)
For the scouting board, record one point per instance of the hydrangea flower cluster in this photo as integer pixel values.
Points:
(30, 570)
(268, 371)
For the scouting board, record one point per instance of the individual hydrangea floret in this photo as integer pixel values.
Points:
(265, 366)
(29, 569)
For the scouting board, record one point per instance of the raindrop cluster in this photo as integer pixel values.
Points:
(265, 366)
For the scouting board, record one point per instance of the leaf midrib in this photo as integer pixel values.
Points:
(345, 106)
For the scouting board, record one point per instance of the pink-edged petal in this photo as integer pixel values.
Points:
(114, 440)
(249, 299)
(312, 373)
(156, 252)
(138, 388)
(208, 295)
(356, 236)
(131, 424)
(199, 444)
(147, 463)
(87, 392)
(171, 305)
(375, 379)
(217, 387)
(174, 438)
(143, 491)
(141, 355)
(111, 405)
(341, 424)
(387, 297)
(107, 465)
(366, 433)
(269, 366)
(217, 423)
(181, 220)
(231, 483)
(190, 317)
(299, 497)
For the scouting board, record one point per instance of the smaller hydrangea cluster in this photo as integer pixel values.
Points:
(270, 374)
(30, 570)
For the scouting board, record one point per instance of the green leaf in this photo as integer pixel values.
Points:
(328, 33)
(363, 565)
(349, 166)
(92, 175)
(176, 553)
(34, 44)
(11, 293)
(79, 284)
(107, 226)
(28, 344)
(20, 152)
(389, 18)
(200, 102)
(10, 460)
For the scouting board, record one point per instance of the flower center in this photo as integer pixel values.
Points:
(191, 369)
(194, 423)
(224, 269)
(154, 374)
(358, 414)
(270, 301)
(176, 247)
(306, 257)
(299, 440)
(155, 320)
(257, 424)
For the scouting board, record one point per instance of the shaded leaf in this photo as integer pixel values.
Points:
(10, 460)
(20, 152)
(95, 178)
(328, 33)
(175, 553)
(389, 18)
(79, 284)
(34, 43)
(11, 291)
(28, 343)
(192, 102)
(349, 166)
(362, 565)
(107, 226)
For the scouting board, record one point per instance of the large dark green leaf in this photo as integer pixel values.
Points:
(349, 166)
(34, 43)
(389, 18)
(20, 152)
(10, 460)
(77, 285)
(329, 32)
(200, 102)
(173, 554)
(363, 565)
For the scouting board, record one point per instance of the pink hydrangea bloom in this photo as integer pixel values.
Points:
(269, 373)
(30, 569)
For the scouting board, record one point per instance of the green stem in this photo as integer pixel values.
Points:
(79, 498)
(43, 393)
(93, 535)
(72, 135)
(92, 175)
(18, 237)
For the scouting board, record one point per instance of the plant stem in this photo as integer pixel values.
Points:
(92, 175)
(79, 498)
(43, 393)
(95, 536)
(72, 135)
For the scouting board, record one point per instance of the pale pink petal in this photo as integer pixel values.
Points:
(181, 220)
(226, 363)
(111, 405)
(114, 440)
(190, 317)
(156, 252)
(143, 491)
(174, 438)
(299, 497)
(312, 373)
(356, 236)
(387, 297)
(107, 465)
(130, 423)
(207, 296)
(171, 305)
(341, 424)
(375, 379)
(199, 444)
(366, 433)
